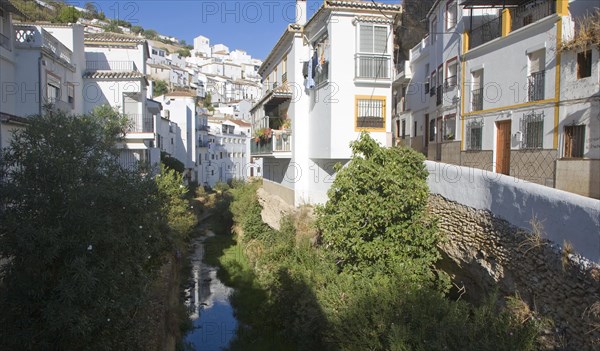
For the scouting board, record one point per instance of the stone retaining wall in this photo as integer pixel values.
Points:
(491, 252)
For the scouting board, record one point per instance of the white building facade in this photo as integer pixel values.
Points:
(325, 81)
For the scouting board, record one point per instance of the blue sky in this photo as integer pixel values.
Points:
(250, 25)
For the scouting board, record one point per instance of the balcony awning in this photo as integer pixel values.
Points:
(275, 96)
(472, 4)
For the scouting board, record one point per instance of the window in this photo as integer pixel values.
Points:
(403, 128)
(432, 130)
(398, 128)
(71, 93)
(449, 127)
(584, 64)
(370, 112)
(433, 30)
(532, 127)
(474, 135)
(1, 21)
(451, 14)
(574, 141)
(433, 81)
(414, 129)
(373, 39)
(536, 79)
(477, 90)
(451, 74)
(52, 88)
(372, 60)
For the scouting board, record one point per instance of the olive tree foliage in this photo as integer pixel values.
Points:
(376, 213)
(80, 236)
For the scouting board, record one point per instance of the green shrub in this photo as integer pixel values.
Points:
(376, 214)
(221, 187)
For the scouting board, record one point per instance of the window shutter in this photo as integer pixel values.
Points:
(366, 38)
(536, 61)
(379, 40)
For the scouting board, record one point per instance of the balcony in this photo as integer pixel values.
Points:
(115, 66)
(369, 66)
(139, 123)
(61, 105)
(27, 37)
(477, 100)
(530, 12)
(402, 71)
(536, 86)
(279, 145)
(488, 31)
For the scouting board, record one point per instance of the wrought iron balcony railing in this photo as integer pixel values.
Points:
(530, 12)
(488, 31)
(117, 66)
(536, 86)
(373, 66)
(139, 123)
(477, 100)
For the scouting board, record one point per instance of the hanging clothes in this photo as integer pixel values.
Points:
(309, 82)
(315, 63)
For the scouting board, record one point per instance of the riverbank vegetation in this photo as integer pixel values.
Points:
(84, 239)
(367, 281)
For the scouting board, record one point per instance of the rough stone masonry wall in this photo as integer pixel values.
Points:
(493, 252)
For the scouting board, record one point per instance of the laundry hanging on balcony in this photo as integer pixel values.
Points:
(309, 83)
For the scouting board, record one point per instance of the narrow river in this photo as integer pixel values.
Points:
(208, 299)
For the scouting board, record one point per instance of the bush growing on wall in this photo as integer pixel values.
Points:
(376, 215)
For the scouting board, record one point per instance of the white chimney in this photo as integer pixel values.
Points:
(301, 12)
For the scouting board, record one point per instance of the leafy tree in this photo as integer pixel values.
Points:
(137, 29)
(184, 52)
(208, 102)
(160, 88)
(182, 42)
(92, 11)
(175, 206)
(150, 34)
(113, 27)
(81, 234)
(376, 214)
(171, 162)
(68, 14)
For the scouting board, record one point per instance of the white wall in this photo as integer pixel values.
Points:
(565, 216)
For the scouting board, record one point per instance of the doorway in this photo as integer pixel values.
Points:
(503, 147)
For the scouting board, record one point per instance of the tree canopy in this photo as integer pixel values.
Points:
(376, 211)
(82, 236)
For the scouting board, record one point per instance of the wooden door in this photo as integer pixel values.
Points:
(503, 147)
(426, 132)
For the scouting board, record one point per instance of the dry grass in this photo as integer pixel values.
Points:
(535, 238)
(518, 308)
(587, 33)
(567, 250)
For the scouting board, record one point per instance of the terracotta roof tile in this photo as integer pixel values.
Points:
(108, 37)
(113, 75)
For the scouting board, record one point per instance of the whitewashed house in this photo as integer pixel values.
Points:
(331, 78)
(227, 155)
(502, 97)
(39, 65)
(115, 75)
(181, 107)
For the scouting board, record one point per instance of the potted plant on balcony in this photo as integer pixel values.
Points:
(263, 135)
(286, 124)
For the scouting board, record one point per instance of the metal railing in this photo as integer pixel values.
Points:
(139, 123)
(439, 95)
(477, 100)
(536, 86)
(531, 12)
(118, 66)
(5, 41)
(488, 31)
(370, 122)
(322, 74)
(373, 66)
(284, 77)
(280, 141)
